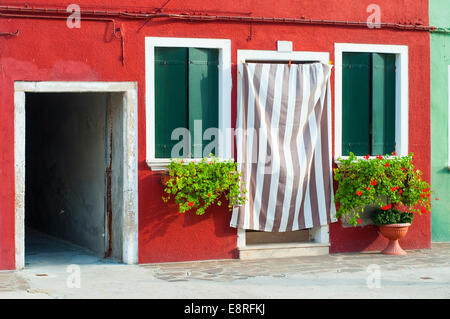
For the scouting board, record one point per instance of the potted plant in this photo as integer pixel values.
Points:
(198, 185)
(390, 183)
(393, 224)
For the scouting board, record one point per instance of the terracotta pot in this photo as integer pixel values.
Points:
(394, 232)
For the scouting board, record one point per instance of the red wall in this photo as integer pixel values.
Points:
(46, 50)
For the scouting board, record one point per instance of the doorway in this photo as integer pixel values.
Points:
(79, 175)
(313, 238)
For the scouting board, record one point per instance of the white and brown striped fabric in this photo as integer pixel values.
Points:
(284, 147)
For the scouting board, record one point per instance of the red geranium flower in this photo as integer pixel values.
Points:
(403, 169)
(359, 193)
(394, 153)
(191, 204)
(386, 165)
(400, 191)
(359, 221)
(367, 156)
(209, 194)
(380, 157)
(373, 182)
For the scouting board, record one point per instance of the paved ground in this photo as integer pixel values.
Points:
(420, 274)
(224, 271)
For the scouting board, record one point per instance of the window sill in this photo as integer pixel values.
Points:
(161, 164)
(336, 159)
(158, 164)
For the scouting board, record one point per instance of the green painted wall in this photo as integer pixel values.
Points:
(440, 175)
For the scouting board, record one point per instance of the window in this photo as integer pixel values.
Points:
(187, 92)
(368, 103)
(186, 97)
(371, 99)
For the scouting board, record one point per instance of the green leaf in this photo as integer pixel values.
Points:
(397, 182)
(195, 181)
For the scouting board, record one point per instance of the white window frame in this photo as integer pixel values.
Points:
(225, 84)
(401, 92)
(319, 234)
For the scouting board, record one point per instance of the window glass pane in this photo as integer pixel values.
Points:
(170, 98)
(356, 100)
(368, 111)
(383, 103)
(203, 99)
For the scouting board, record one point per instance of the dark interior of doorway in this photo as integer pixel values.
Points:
(253, 237)
(71, 176)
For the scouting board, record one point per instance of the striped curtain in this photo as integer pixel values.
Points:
(284, 147)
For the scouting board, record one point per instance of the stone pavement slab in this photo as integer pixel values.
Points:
(11, 281)
(420, 274)
(230, 270)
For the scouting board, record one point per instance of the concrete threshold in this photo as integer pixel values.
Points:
(283, 250)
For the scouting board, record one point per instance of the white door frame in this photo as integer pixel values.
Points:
(130, 178)
(319, 234)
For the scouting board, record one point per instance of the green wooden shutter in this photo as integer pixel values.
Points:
(356, 100)
(383, 103)
(203, 88)
(171, 110)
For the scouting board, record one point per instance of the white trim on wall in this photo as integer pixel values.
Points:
(320, 234)
(130, 172)
(266, 55)
(448, 139)
(225, 84)
(401, 91)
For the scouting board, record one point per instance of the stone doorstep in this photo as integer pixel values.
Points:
(283, 250)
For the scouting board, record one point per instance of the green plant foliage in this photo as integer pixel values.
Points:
(382, 181)
(392, 216)
(198, 185)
